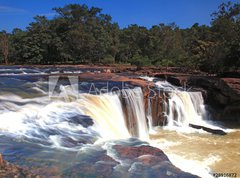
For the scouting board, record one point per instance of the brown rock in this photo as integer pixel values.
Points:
(129, 152)
(223, 95)
(10, 170)
(1, 161)
(148, 161)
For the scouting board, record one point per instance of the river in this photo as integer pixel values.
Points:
(40, 128)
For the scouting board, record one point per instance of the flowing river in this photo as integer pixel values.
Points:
(40, 128)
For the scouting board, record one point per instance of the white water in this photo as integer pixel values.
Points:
(107, 112)
(181, 109)
(35, 115)
(135, 108)
(28, 117)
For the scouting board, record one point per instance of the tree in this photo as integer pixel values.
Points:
(226, 27)
(4, 46)
(82, 34)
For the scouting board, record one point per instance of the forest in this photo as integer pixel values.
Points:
(79, 34)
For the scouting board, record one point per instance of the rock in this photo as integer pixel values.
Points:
(129, 152)
(223, 95)
(10, 170)
(233, 83)
(97, 164)
(213, 131)
(1, 161)
(229, 75)
(157, 108)
(175, 81)
(85, 121)
(147, 161)
(231, 112)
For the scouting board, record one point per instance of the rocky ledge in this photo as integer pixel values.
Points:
(222, 95)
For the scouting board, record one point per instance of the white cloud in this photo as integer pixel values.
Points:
(7, 9)
(51, 14)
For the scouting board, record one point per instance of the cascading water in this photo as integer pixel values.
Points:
(76, 123)
(103, 109)
(61, 118)
(135, 112)
(183, 110)
(171, 106)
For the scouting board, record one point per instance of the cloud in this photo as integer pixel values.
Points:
(7, 9)
(51, 14)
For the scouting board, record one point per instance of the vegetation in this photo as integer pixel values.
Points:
(79, 34)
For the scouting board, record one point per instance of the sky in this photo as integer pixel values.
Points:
(19, 13)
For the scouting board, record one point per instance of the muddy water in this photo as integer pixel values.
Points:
(200, 153)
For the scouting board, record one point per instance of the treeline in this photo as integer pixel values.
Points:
(82, 35)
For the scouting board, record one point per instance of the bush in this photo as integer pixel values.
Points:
(140, 61)
(108, 60)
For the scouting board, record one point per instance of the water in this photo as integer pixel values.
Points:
(201, 153)
(72, 126)
(35, 116)
(133, 98)
(15, 71)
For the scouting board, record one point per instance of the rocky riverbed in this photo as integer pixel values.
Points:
(222, 94)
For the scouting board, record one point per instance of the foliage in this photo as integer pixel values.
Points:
(4, 46)
(82, 34)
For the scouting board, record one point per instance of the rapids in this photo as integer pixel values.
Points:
(39, 128)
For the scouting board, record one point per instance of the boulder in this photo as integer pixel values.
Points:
(147, 161)
(129, 152)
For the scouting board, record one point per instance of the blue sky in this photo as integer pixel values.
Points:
(18, 13)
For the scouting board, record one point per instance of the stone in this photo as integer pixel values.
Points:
(10, 170)
(213, 131)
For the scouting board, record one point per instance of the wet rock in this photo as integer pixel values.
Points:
(96, 165)
(147, 161)
(10, 170)
(156, 102)
(213, 131)
(1, 161)
(131, 158)
(223, 95)
(85, 121)
(128, 152)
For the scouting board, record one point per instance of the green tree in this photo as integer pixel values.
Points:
(4, 46)
(226, 25)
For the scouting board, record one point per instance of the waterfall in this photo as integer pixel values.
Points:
(184, 108)
(170, 106)
(107, 113)
(149, 115)
(133, 103)
(117, 115)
